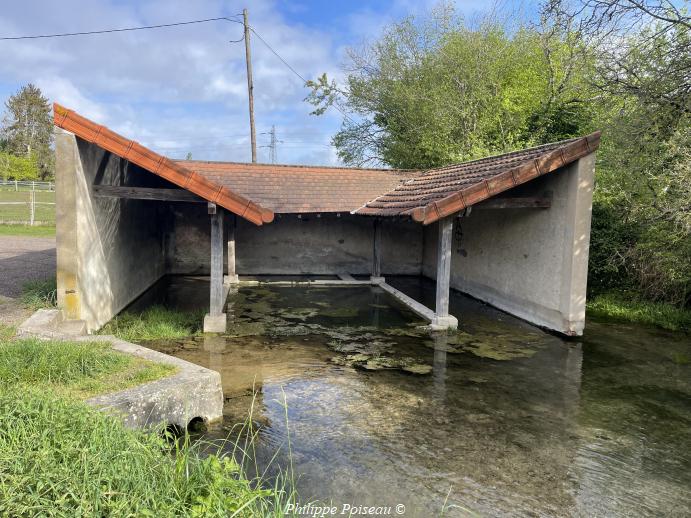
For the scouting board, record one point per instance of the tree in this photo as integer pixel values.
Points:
(28, 128)
(433, 91)
(642, 73)
(17, 167)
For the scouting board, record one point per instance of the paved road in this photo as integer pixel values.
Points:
(22, 259)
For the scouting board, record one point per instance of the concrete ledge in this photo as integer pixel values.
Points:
(317, 282)
(215, 323)
(192, 392)
(231, 279)
(443, 323)
(49, 323)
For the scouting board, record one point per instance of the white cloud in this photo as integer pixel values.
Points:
(183, 88)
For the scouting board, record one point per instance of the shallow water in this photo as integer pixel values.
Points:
(500, 419)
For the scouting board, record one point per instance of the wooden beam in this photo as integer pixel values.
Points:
(376, 249)
(216, 289)
(541, 202)
(232, 275)
(145, 193)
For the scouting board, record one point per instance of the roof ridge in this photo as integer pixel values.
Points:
(302, 166)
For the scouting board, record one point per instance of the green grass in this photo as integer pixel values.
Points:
(156, 322)
(6, 332)
(40, 294)
(26, 230)
(62, 458)
(76, 369)
(617, 307)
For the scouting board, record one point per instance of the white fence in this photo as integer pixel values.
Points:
(27, 185)
(27, 203)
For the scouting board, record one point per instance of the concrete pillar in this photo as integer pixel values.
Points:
(215, 321)
(442, 319)
(376, 277)
(232, 277)
(574, 276)
(67, 168)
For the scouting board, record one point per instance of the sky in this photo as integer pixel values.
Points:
(183, 89)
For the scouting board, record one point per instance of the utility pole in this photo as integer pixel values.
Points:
(250, 85)
(272, 145)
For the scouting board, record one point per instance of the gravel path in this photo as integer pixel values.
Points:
(22, 259)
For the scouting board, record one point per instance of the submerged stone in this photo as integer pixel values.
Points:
(342, 312)
(299, 313)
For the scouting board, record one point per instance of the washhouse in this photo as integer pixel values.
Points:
(511, 230)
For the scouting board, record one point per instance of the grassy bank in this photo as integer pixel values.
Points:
(154, 323)
(60, 457)
(74, 369)
(619, 308)
(26, 230)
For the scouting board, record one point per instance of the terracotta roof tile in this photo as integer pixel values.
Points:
(301, 189)
(159, 165)
(440, 192)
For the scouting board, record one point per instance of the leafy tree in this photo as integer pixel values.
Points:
(17, 167)
(434, 91)
(28, 128)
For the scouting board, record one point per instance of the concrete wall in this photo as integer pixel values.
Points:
(310, 245)
(109, 250)
(531, 263)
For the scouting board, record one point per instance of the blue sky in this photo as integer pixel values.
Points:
(182, 90)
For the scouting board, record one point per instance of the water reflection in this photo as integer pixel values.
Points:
(500, 418)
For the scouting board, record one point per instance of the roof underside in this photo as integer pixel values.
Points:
(438, 193)
(301, 189)
(160, 165)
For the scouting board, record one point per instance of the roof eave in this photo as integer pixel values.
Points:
(547, 163)
(159, 165)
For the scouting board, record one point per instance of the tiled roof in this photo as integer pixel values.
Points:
(438, 193)
(160, 165)
(301, 189)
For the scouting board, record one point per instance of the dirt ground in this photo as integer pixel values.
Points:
(22, 258)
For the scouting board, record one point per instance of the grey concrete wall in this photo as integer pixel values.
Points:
(109, 250)
(310, 245)
(531, 263)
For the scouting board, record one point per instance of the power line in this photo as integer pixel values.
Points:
(304, 81)
(126, 29)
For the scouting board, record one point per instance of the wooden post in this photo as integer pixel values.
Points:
(215, 321)
(376, 252)
(250, 84)
(442, 319)
(232, 274)
(216, 302)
